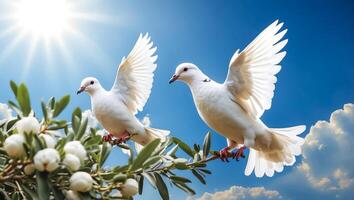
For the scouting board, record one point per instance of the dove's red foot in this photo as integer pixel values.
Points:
(124, 137)
(239, 153)
(224, 154)
(107, 138)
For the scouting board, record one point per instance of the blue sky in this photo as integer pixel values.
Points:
(316, 76)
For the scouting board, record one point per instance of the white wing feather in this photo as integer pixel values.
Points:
(135, 75)
(251, 75)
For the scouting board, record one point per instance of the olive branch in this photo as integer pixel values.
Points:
(26, 175)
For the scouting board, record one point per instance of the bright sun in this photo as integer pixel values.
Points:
(43, 17)
(46, 25)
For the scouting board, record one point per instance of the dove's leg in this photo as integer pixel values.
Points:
(239, 153)
(248, 142)
(107, 138)
(124, 137)
(225, 152)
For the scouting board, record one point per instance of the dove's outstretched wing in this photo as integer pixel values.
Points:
(135, 75)
(251, 75)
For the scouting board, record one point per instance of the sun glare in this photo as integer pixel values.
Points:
(43, 17)
(46, 26)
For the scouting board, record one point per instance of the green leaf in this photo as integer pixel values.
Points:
(151, 178)
(181, 166)
(180, 179)
(44, 111)
(198, 176)
(61, 105)
(76, 124)
(38, 143)
(24, 99)
(13, 86)
(205, 171)
(58, 194)
(106, 150)
(183, 146)
(206, 145)
(161, 186)
(196, 148)
(185, 188)
(81, 130)
(141, 184)
(42, 185)
(51, 103)
(14, 107)
(77, 112)
(4, 194)
(150, 161)
(15, 196)
(199, 165)
(30, 192)
(144, 154)
(92, 140)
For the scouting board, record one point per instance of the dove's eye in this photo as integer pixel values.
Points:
(92, 82)
(185, 69)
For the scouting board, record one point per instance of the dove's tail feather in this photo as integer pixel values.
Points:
(153, 133)
(284, 147)
(157, 133)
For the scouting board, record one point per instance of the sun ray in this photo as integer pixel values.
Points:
(30, 54)
(47, 24)
(10, 30)
(9, 48)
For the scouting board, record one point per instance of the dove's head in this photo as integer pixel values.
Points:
(89, 85)
(186, 72)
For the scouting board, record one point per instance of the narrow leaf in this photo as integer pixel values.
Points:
(106, 150)
(61, 105)
(81, 130)
(13, 86)
(144, 154)
(183, 146)
(180, 179)
(161, 186)
(198, 176)
(141, 184)
(44, 111)
(24, 99)
(206, 145)
(42, 185)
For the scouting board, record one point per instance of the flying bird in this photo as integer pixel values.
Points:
(115, 109)
(233, 108)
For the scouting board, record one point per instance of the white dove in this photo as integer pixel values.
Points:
(234, 107)
(116, 109)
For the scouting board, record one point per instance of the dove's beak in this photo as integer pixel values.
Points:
(173, 79)
(80, 90)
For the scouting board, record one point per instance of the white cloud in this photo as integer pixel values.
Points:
(328, 154)
(239, 192)
(326, 171)
(5, 113)
(146, 121)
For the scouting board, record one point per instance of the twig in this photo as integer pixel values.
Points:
(20, 190)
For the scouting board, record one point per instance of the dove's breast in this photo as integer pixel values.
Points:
(220, 113)
(114, 116)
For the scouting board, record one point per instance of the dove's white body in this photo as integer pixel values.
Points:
(115, 117)
(115, 109)
(222, 114)
(233, 108)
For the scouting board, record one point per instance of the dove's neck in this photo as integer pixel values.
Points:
(198, 82)
(97, 91)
